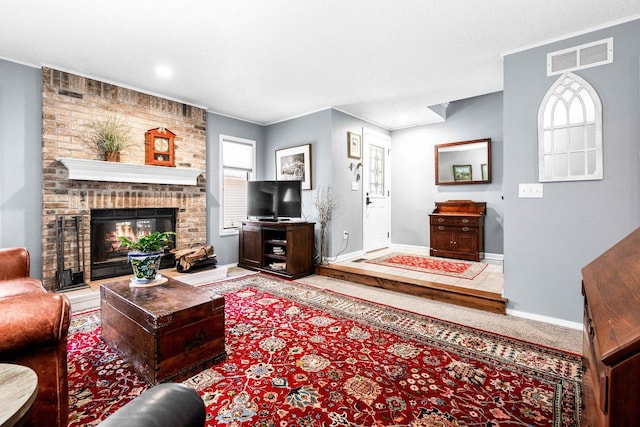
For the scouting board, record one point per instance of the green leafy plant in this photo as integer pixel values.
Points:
(110, 134)
(153, 242)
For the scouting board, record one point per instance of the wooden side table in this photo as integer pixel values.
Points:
(18, 390)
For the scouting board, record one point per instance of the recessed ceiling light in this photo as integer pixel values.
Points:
(164, 71)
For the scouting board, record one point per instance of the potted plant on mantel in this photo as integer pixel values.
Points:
(145, 254)
(111, 135)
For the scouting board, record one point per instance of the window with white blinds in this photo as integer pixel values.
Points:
(237, 166)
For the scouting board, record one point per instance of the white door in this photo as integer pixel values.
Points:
(375, 190)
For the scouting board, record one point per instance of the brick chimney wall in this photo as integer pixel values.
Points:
(70, 102)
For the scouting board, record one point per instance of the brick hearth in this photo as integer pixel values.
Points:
(69, 103)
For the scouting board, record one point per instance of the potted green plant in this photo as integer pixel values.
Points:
(111, 135)
(145, 253)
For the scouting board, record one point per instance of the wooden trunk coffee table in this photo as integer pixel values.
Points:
(167, 332)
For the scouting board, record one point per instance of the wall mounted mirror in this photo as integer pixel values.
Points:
(464, 162)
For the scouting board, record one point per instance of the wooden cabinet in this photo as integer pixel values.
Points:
(457, 229)
(283, 248)
(611, 341)
(166, 333)
(250, 246)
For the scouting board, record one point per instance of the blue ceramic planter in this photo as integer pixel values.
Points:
(145, 265)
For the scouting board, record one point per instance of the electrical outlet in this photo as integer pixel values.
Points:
(345, 235)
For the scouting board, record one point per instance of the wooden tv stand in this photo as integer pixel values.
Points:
(283, 248)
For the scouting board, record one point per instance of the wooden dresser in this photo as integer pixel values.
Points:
(457, 229)
(611, 342)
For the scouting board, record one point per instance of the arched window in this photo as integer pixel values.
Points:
(570, 132)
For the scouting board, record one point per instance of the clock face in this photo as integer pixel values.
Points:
(161, 145)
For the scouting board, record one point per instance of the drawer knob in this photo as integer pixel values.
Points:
(465, 228)
(440, 227)
(440, 219)
(465, 220)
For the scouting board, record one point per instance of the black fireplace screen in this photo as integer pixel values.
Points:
(108, 258)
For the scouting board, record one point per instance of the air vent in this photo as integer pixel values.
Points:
(580, 57)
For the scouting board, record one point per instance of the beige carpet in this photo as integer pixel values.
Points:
(529, 330)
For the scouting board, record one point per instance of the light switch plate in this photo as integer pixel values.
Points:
(530, 191)
(354, 185)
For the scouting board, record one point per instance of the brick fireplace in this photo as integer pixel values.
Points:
(69, 103)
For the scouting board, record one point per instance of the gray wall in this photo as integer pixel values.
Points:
(314, 129)
(549, 240)
(226, 247)
(348, 214)
(413, 189)
(21, 160)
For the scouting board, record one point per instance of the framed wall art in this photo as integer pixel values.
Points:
(462, 172)
(354, 148)
(294, 163)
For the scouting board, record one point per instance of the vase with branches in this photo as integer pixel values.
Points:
(325, 203)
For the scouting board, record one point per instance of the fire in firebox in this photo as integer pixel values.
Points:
(132, 230)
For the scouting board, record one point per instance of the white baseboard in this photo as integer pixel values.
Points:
(414, 248)
(494, 257)
(86, 299)
(346, 257)
(202, 277)
(83, 300)
(546, 319)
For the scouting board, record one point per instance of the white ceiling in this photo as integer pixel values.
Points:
(270, 60)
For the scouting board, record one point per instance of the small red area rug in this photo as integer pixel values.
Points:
(432, 265)
(303, 356)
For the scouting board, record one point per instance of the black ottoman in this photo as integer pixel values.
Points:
(170, 405)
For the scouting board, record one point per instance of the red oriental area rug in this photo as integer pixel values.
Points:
(303, 356)
(433, 265)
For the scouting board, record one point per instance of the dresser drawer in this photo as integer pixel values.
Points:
(454, 220)
(453, 229)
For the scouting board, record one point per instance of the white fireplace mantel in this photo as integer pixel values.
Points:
(98, 170)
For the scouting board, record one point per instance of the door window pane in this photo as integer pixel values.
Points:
(376, 173)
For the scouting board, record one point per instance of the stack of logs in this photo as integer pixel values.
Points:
(195, 258)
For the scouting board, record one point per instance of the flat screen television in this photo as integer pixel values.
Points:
(274, 199)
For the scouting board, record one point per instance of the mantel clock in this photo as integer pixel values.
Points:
(159, 147)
